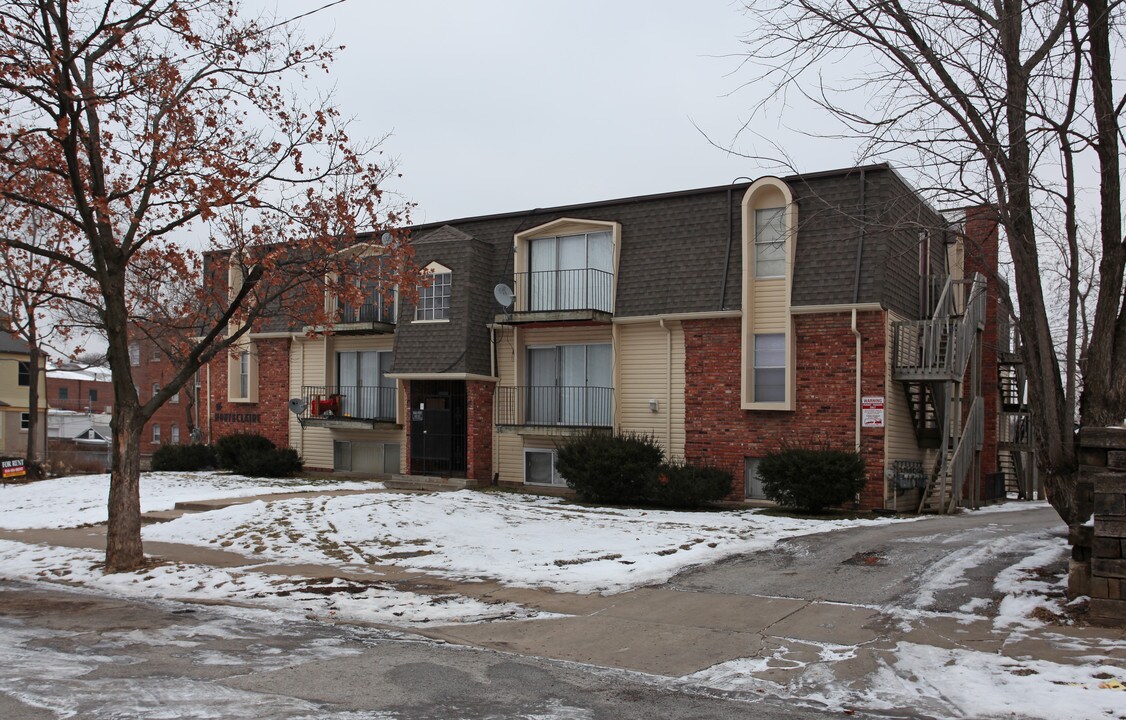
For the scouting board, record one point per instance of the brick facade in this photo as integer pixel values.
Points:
(81, 395)
(479, 451)
(270, 415)
(718, 432)
(151, 367)
(981, 256)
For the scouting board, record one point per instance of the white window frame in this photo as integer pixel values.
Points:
(244, 374)
(155, 389)
(174, 434)
(556, 479)
(435, 299)
(156, 433)
(562, 408)
(757, 367)
(25, 421)
(134, 354)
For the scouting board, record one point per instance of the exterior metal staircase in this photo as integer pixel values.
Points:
(1014, 432)
(930, 360)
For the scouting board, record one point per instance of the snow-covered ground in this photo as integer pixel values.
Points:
(81, 499)
(519, 540)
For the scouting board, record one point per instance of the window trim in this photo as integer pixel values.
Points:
(564, 226)
(756, 367)
(23, 373)
(174, 434)
(25, 421)
(155, 433)
(766, 193)
(437, 271)
(781, 211)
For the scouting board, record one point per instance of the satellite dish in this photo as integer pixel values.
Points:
(297, 406)
(504, 295)
(386, 238)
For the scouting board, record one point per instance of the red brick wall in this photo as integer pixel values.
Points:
(479, 460)
(78, 394)
(155, 367)
(718, 432)
(270, 415)
(981, 256)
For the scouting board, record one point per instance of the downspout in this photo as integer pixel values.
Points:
(730, 239)
(300, 340)
(668, 388)
(860, 241)
(208, 403)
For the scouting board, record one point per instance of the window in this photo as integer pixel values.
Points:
(770, 242)
(434, 301)
(539, 468)
(571, 272)
(770, 368)
(64, 393)
(365, 457)
(174, 434)
(23, 374)
(134, 354)
(175, 399)
(752, 483)
(570, 385)
(155, 356)
(366, 391)
(244, 374)
(25, 421)
(156, 434)
(155, 389)
(93, 395)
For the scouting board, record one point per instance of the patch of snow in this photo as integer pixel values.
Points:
(1013, 506)
(339, 599)
(520, 540)
(82, 499)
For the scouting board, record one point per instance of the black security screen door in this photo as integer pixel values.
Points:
(438, 427)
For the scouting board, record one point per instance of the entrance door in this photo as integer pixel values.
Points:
(438, 428)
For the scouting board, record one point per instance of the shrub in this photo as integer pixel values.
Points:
(230, 449)
(183, 457)
(605, 468)
(680, 485)
(273, 463)
(811, 480)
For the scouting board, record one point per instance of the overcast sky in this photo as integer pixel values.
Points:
(499, 105)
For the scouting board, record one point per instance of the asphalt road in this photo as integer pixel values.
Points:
(77, 654)
(949, 559)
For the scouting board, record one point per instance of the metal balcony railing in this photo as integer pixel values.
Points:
(555, 406)
(349, 402)
(555, 290)
(939, 348)
(374, 309)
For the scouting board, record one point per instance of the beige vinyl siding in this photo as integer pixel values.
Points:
(770, 311)
(510, 456)
(311, 363)
(307, 367)
(899, 434)
(642, 359)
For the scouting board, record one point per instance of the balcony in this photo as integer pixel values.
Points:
(375, 316)
(348, 406)
(550, 296)
(554, 408)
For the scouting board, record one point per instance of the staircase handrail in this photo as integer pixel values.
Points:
(971, 441)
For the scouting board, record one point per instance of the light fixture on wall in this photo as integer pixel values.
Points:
(653, 406)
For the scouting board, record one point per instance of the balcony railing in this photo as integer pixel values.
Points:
(346, 403)
(561, 290)
(375, 310)
(555, 406)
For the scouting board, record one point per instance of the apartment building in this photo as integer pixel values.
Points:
(832, 308)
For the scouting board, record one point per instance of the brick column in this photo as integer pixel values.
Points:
(981, 239)
(1105, 449)
(479, 431)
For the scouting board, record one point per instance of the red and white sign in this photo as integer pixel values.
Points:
(13, 468)
(872, 411)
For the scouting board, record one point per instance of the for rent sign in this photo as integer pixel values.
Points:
(13, 468)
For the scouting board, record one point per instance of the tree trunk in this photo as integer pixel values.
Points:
(123, 532)
(33, 419)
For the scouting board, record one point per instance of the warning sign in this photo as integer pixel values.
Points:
(872, 411)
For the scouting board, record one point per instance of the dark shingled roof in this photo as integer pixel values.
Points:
(675, 248)
(11, 344)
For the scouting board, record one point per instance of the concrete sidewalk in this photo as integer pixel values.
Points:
(663, 630)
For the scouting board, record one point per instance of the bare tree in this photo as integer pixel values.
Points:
(129, 123)
(994, 103)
